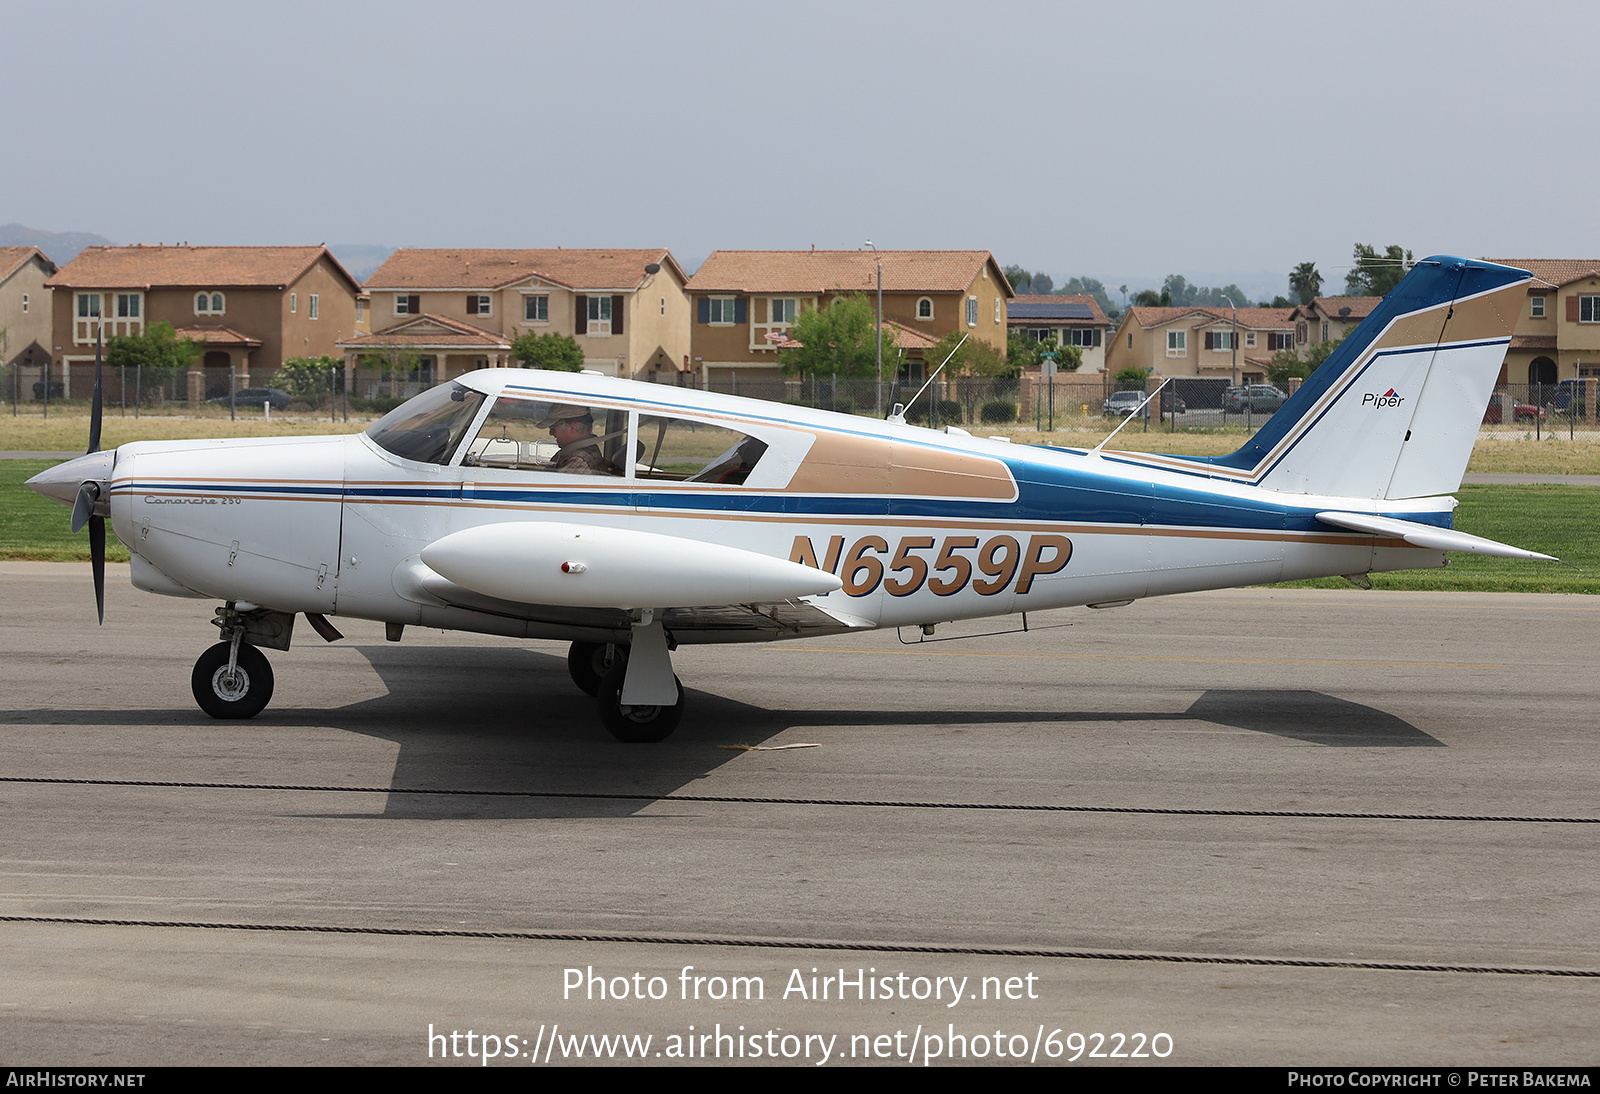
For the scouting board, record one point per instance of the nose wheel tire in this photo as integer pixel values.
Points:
(588, 663)
(243, 693)
(635, 724)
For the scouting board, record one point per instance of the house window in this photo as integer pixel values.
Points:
(1219, 339)
(361, 311)
(972, 311)
(127, 305)
(663, 305)
(536, 309)
(925, 308)
(1130, 339)
(407, 305)
(294, 303)
(723, 310)
(1082, 336)
(600, 315)
(1177, 343)
(24, 303)
(1324, 332)
(1536, 307)
(311, 306)
(1280, 341)
(1589, 309)
(88, 305)
(208, 303)
(1300, 333)
(780, 310)
(997, 309)
(477, 304)
(1249, 339)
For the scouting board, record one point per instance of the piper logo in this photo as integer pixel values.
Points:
(1388, 398)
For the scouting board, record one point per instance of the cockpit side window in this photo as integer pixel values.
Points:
(684, 450)
(429, 427)
(569, 438)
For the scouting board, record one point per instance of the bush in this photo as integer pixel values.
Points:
(949, 412)
(996, 411)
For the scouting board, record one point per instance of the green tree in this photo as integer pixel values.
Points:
(975, 358)
(838, 339)
(157, 350)
(1286, 363)
(304, 378)
(553, 352)
(1146, 298)
(1305, 282)
(1132, 375)
(1375, 274)
(1021, 280)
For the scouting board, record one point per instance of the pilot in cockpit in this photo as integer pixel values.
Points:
(579, 454)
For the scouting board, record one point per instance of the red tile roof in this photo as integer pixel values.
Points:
(217, 336)
(1250, 318)
(484, 268)
(425, 331)
(1554, 272)
(816, 272)
(1533, 341)
(13, 259)
(1360, 306)
(142, 267)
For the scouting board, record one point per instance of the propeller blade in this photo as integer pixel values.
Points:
(97, 560)
(83, 506)
(94, 413)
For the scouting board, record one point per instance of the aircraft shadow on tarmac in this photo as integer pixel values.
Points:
(510, 720)
(511, 723)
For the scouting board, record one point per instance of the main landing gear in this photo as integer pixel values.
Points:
(642, 672)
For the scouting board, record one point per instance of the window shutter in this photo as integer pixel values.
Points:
(616, 315)
(741, 310)
(1210, 340)
(1572, 309)
(580, 322)
(704, 309)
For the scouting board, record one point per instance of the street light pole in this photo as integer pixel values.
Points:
(1234, 341)
(879, 333)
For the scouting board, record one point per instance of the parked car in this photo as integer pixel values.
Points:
(1119, 404)
(1123, 403)
(1494, 414)
(1257, 398)
(57, 390)
(254, 397)
(1566, 391)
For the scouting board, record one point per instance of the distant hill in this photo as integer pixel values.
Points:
(361, 259)
(61, 247)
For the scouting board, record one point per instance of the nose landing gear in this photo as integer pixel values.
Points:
(232, 680)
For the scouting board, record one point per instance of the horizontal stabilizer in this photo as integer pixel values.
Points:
(1426, 535)
(586, 566)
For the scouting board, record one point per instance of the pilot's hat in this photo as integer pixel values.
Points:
(561, 412)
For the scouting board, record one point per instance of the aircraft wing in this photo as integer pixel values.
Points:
(1427, 535)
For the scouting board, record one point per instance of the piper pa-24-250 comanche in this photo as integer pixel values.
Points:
(630, 519)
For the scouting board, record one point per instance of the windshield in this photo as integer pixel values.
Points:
(428, 427)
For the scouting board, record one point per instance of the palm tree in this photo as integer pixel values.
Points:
(1305, 281)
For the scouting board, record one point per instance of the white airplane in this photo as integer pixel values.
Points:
(629, 518)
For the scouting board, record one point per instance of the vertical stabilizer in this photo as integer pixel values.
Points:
(1394, 411)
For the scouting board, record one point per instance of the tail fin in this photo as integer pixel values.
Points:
(1394, 411)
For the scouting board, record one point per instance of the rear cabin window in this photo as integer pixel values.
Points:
(684, 450)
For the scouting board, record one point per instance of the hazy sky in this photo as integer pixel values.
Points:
(1116, 140)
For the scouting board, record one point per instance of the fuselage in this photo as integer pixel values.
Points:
(920, 526)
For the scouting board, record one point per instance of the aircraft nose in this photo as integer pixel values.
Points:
(61, 482)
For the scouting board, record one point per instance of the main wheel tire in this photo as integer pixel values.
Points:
(244, 694)
(588, 663)
(635, 725)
